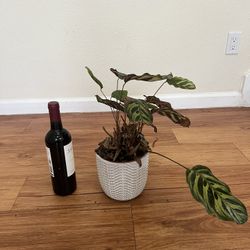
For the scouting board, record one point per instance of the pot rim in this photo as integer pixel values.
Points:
(123, 162)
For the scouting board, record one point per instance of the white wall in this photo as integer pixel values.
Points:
(45, 44)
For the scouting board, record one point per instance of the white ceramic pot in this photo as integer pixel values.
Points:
(122, 181)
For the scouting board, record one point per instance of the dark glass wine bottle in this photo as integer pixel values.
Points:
(60, 153)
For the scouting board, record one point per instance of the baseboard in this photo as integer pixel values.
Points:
(40, 106)
(205, 100)
(178, 101)
(246, 90)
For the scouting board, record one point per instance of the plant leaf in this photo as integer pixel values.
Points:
(180, 82)
(173, 115)
(165, 109)
(144, 77)
(94, 78)
(138, 111)
(215, 195)
(110, 103)
(119, 95)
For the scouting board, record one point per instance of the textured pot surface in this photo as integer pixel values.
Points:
(122, 181)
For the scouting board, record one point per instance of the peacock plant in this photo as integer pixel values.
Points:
(127, 141)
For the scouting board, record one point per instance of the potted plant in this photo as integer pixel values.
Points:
(122, 157)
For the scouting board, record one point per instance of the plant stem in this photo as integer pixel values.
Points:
(117, 84)
(123, 86)
(104, 94)
(159, 88)
(169, 159)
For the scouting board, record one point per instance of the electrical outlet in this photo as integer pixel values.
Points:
(233, 43)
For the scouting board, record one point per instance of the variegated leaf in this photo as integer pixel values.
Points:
(94, 78)
(180, 82)
(215, 195)
(120, 95)
(173, 115)
(145, 77)
(165, 109)
(110, 103)
(138, 111)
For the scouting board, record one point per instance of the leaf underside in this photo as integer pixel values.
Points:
(110, 103)
(144, 77)
(215, 195)
(165, 109)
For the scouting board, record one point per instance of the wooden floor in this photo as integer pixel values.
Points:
(165, 216)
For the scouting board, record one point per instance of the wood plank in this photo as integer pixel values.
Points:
(203, 153)
(67, 228)
(172, 176)
(9, 190)
(164, 216)
(91, 201)
(185, 225)
(10, 125)
(218, 117)
(181, 194)
(225, 134)
(244, 147)
(41, 185)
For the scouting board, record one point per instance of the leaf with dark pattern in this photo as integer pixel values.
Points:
(180, 82)
(215, 195)
(165, 109)
(110, 103)
(138, 111)
(144, 77)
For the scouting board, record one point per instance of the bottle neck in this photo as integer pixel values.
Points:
(56, 125)
(55, 117)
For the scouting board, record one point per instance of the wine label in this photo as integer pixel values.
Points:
(50, 162)
(69, 160)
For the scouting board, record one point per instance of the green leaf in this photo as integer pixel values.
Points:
(138, 111)
(119, 95)
(94, 78)
(144, 77)
(110, 103)
(215, 195)
(180, 82)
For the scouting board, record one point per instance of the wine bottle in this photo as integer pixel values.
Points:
(60, 153)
